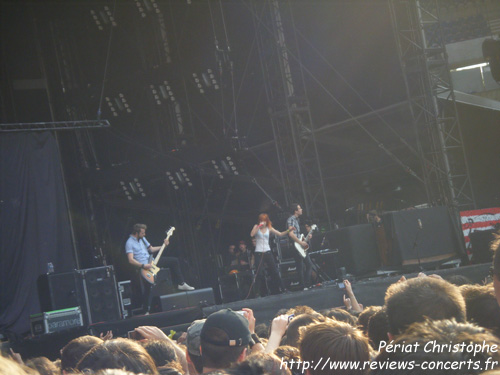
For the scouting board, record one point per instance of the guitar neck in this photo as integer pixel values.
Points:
(160, 252)
(157, 258)
(306, 238)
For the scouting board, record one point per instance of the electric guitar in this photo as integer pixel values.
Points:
(300, 249)
(150, 275)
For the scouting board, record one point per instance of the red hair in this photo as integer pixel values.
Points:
(264, 217)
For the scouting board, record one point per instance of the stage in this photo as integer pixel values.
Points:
(368, 291)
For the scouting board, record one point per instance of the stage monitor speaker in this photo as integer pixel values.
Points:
(201, 297)
(57, 291)
(435, 240)
(98, 294)
(357, 249)
(193, 298)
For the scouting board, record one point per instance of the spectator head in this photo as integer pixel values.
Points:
(161, 351)
(378, 326)
(298, 310)
(242, 245)
(43, 366)
(416, 299)
(303, 320)
(74, 351)
(193, 342)
(118, 353)
(458, 280)
(262, 330)
(436, 344)
(482, 307)
(224, 339)
(365, 316)
(288, 353)
(11, 367)
(338, 341)
(342, 315)
(113, 371)
(262, 364)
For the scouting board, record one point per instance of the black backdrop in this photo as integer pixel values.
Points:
(34, 223)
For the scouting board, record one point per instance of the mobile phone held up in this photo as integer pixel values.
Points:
(341, 285)
(134, 335)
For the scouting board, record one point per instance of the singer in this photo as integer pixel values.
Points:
(263, 254)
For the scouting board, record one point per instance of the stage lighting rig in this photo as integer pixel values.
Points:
(118, 104)
(162, 92)
(225, 166)
(206, 81)
(103, 16)
(144, 6)
(179, 178)
(133, 189)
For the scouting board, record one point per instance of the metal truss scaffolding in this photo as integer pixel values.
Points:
(289, 109)
(424, 63)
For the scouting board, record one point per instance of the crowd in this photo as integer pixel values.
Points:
(426, 325)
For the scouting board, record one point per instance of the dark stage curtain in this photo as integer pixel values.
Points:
(34, 223)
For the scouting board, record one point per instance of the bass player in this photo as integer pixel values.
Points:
(293, 221)
(138, 251)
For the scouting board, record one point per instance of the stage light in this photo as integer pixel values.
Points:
(226, 166)
(105, 17)
(207, 81)
(96, 19)
(162, 93)
(119, 102)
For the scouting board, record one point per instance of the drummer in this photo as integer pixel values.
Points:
(240, 258)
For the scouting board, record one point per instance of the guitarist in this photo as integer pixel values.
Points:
(138, 250)
(293, 221)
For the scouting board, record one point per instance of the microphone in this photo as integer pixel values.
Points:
(420, 226)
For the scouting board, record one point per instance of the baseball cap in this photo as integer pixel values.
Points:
(234, 325)
(193, 337)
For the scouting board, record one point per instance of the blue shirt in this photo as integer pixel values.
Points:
(139, 248)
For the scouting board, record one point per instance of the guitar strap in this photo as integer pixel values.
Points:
(145, 245)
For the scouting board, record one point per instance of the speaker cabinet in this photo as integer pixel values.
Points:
(98, 294)
(57, 291)
(357, 248)
(290, 276)
(193, 298)
(436, 241)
